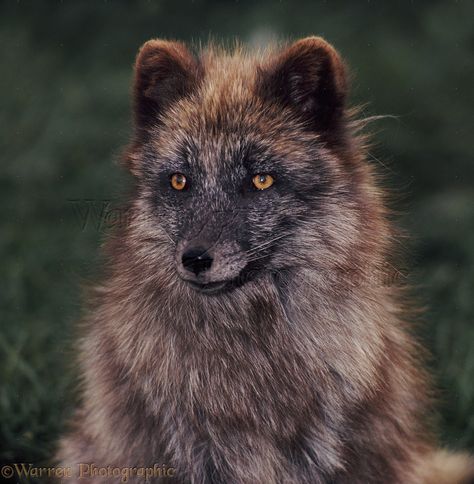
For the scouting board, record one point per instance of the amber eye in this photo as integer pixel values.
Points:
(262, 181)
(178, 181)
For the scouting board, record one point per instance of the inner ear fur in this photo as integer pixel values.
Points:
(310, 78)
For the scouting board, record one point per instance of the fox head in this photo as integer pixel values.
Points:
(244, 162)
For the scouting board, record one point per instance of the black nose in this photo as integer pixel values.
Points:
(197, 260)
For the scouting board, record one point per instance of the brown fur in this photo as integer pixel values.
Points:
(303, 374)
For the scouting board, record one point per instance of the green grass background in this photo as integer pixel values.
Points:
(65, 72)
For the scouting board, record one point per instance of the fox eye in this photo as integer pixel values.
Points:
(262, 181)
(178, 181)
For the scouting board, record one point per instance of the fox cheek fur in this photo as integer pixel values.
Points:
(243, 334)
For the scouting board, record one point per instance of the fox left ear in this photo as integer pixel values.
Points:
(309, 77)
(165, 72)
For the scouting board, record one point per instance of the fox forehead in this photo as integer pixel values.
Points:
(219, 126)
(214, 150)
(217, 132)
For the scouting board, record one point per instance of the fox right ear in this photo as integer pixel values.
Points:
(164, 72)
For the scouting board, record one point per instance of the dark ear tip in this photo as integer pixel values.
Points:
(155, 48)
(151, 45)
(148, 49)
(313, 42)
(323, 49)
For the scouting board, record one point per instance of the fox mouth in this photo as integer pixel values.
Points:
(210, 288)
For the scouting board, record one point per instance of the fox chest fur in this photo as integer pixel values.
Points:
(247, 329)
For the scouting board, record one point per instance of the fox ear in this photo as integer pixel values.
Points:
(308, 76)
(164, 72)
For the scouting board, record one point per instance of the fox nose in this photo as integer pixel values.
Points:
(196, 260)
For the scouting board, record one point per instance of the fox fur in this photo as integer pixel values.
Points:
(289, 359)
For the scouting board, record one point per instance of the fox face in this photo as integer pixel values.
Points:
(237, 160)
(219, 344)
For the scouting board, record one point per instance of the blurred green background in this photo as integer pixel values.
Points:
(64, 86)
